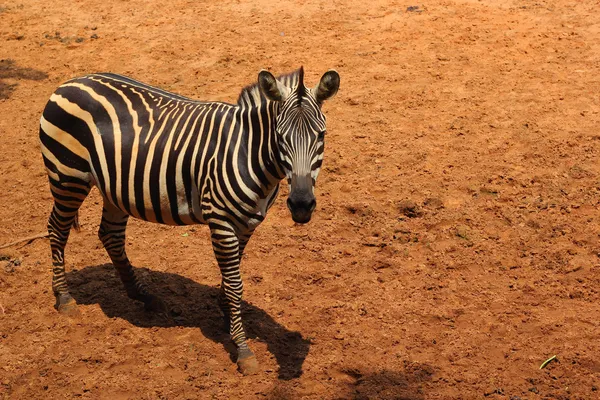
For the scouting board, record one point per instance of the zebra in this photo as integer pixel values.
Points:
(169, 159)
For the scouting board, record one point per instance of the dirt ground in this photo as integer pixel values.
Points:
(455, 246)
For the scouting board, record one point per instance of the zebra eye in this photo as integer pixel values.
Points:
(321, 135)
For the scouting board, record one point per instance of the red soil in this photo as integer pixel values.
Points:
(454, 248)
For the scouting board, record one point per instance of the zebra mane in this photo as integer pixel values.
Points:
(292, 80)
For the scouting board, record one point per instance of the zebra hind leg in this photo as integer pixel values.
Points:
(112, 234)
(68, 194)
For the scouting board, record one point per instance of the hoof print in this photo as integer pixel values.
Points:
(248, 365)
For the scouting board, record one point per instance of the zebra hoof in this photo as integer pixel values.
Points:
(248, 365)
(66, 305)
(154, 304)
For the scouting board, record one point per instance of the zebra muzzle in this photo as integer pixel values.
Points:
(301, 205)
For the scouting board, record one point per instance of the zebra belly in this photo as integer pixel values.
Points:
(168, 207)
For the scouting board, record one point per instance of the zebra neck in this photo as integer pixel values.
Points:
(259, 128)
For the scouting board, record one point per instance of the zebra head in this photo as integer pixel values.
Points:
(300, 127)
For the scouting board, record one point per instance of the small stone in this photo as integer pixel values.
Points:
(490, 191)
(533, 390)
(462, 231)
(433, 202)
(176, 311)
(94, 36)
(15, 36)
(577, 172)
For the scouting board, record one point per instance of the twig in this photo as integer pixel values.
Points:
(547, 362)
(27, 239)
(2, 308)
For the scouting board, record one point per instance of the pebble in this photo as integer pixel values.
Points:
(433, 202)
(462, 231)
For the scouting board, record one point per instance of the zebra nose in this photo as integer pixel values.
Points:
(301, 207)
(301, 204)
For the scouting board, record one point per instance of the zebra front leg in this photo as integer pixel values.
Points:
(223, 303)
(112, 234)
(226, 246)
(243, 242)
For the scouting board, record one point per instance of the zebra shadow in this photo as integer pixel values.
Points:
(409, 383)
(192, 305)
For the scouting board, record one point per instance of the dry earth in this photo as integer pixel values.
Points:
(456, 242)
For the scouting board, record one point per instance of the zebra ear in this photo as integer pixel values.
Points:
(328, 86)
(271, 87)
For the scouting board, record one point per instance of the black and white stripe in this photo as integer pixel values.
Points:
(165, 158)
